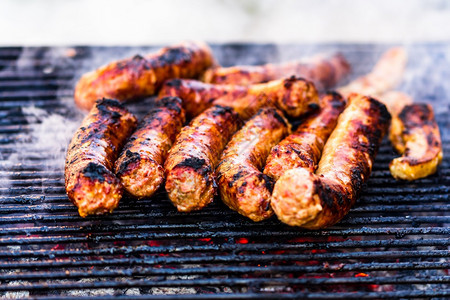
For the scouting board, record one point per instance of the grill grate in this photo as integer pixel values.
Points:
(393, 244)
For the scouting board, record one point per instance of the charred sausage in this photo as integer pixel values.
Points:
(140, 165)
(139, 76)
(304, 147)
(325, 72)
(415, 134)
(90, 183)
(317, 200)
(191, 162)
(198, 96)
(292, 95)
(243, 186)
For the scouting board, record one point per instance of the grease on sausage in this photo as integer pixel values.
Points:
(140, 165)
(89, 181)
(321, 199)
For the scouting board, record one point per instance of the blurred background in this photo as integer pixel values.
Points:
(143, 22)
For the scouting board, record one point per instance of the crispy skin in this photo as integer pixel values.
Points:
(325, 72)
(191, 162)
(140, 165)
(90, 183)
(198, 96)
(317, 200)
(415, 134)
(385, 75)
(294, 96)
(304, 147)
(243, 186)
(139, 76)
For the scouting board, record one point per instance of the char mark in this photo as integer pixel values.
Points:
(176, 83)
(95, 171)
(130, 159)
(193, 162)
(172, 103)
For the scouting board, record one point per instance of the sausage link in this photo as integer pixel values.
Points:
(304, 147)
(90, 183)
(191, 162)
(325, 72)
(198, 96)
(139, 76)
(294, 96)
(243, 186)
(140, 165)
(415, 134)
(321, 199)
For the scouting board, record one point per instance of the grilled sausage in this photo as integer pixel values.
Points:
(292, 95)
(317, 200)
(191, 162)
(415, 134)
(140, 165)
(90, 183)
(385, 75)
(325, 72)
(304, 147)
(198, 96)
(243, 186)
(139, 76)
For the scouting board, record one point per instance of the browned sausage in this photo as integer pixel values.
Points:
(292, 95)
(304, 147)
(198, 96)
(415, 134)
(325, 72)
(317, 200)
(90, 183)
(139, 76)
(243, 186)
(140, 166)
(191, 162)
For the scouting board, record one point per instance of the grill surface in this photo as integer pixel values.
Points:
(393, 244)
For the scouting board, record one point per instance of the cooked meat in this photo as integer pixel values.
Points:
(325, 72)
(90, 183)
(304, 147)
(139, 76)
(198, 96)
(243, 186)
(140, 165)
(415, 134)
(292, 95)
(317, 200)
(385, 75)
(191, 162)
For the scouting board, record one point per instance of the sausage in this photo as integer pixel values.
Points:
(140, 165)
(242, 184)
(415, 134)
(324, 71)
(198, 96)
(190, 164)
(294, 96)
(385, 75)
(90, 183)
(139, 76)
(304, 147)
(321, 199)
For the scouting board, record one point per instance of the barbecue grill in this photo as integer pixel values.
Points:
(393, 244)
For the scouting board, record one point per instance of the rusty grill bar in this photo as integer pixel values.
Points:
(393, 244)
